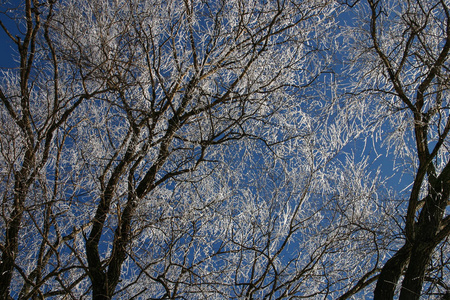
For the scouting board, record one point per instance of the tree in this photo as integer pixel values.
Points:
(401, 56)
(132, 146)
(35, 105)
(212, 149)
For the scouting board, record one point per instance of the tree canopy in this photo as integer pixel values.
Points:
(244, 149)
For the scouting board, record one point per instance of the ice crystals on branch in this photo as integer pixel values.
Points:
(200, 149)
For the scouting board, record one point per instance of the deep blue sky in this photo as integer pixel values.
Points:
(7, 47)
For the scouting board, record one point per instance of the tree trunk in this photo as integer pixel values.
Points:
(427, 229)
(10, 253)
(391, 272)
(100, 291)
(414, 276)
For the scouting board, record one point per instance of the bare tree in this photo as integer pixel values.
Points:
(37, 101)
(401, 55)
(170, 152)
(210, 149)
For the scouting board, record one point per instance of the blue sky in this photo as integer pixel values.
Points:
(7, 47)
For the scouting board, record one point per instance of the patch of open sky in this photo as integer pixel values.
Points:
(8, 49)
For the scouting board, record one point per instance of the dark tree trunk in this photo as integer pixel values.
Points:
(100, 290)
(414, 276)
(428, 227)
(9, 254)
(391, 273)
